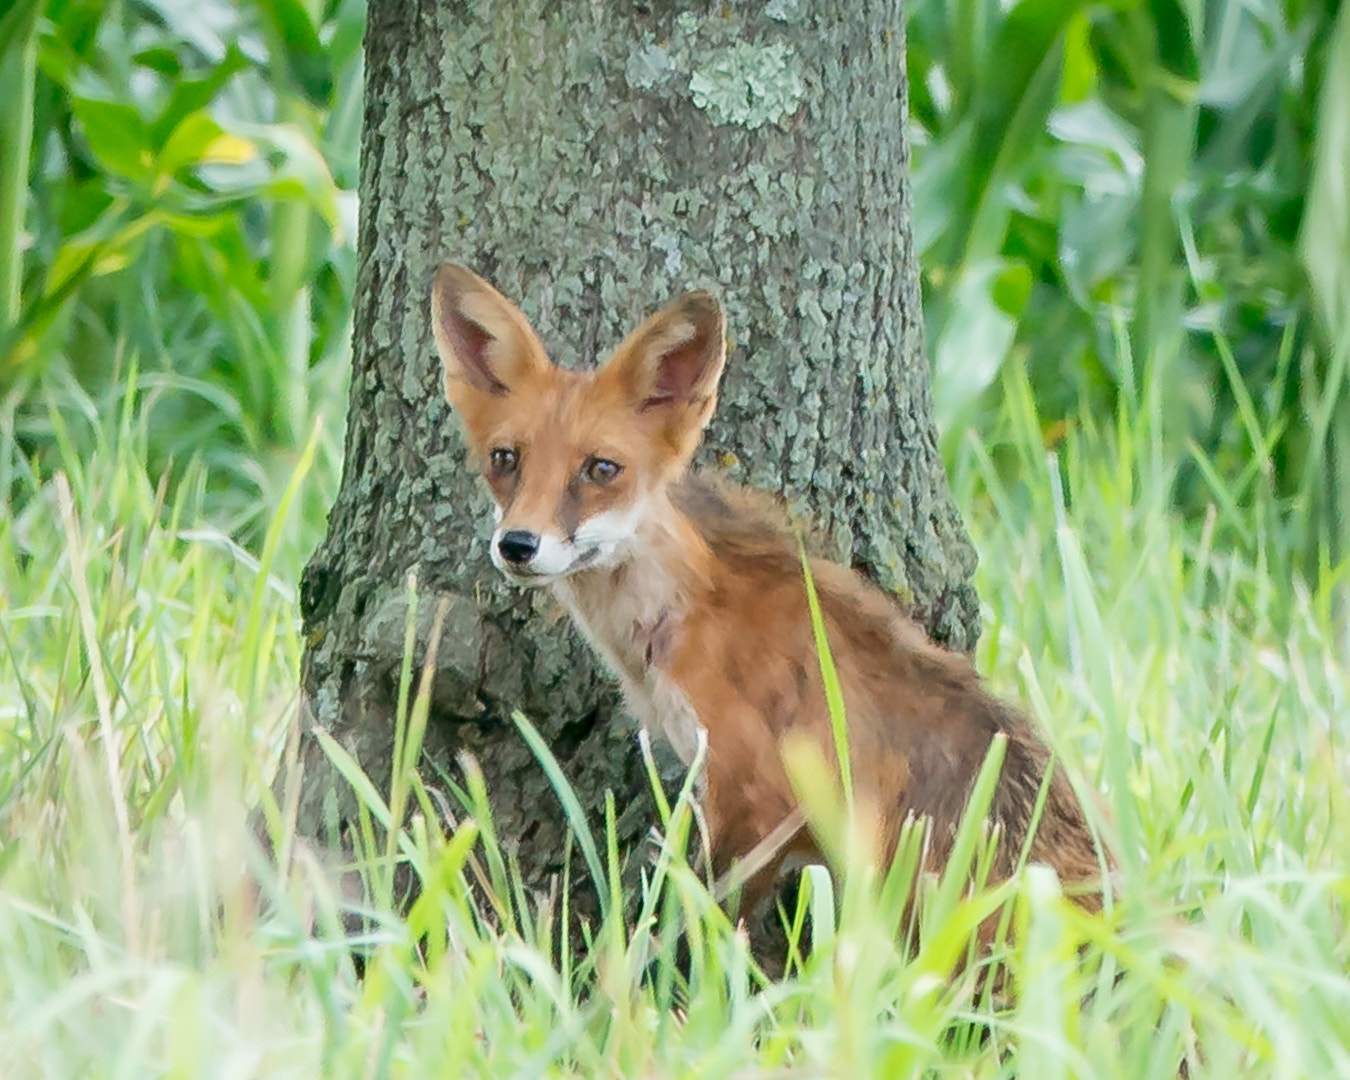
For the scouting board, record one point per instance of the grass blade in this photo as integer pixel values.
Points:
(829, 677)
(576, 816)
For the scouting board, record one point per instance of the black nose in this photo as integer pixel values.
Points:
(518, 546)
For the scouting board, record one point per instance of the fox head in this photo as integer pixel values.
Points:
(574, 458)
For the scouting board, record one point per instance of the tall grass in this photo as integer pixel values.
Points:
(148, 688)
(18, 63)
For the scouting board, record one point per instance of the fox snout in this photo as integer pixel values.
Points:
(517, 546)
(527, 557)
(531, 558)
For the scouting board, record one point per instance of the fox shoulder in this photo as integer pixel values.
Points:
(736, 522)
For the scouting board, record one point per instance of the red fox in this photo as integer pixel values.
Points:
(691, 590)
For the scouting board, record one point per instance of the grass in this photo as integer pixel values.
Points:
(18, 62)
(148, 686)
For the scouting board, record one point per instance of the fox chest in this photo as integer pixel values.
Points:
(633, 638)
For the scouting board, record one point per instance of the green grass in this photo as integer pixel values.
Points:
(148, 687)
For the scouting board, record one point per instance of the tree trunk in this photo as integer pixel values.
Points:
(592, 161)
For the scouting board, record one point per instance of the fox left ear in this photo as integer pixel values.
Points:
(486, 344)
(675, 358)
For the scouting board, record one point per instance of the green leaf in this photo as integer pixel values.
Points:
(188, 142)
(970, 22)
(1012, 287)
(576, 816)
(116, 134)
(1011, 114)
(192, 95)
(974, 340)
(1174, 27)
(829, 677)
(820, 891)
(956, 874)
(1324, 242)
(1098, 217)
(350, 770)
(15, 23)
(936, 183)
(1080, 66)
(200, 139)
(298, 167)
(295, 46)
(348, 25)
(18, 81)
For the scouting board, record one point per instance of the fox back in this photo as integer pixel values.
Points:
(691, 590)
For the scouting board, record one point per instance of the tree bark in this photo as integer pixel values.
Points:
(593, 161)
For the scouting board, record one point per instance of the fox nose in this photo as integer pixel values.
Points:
(518, 546)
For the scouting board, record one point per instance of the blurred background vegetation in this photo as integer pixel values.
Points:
(190, 234)
(1100, 188)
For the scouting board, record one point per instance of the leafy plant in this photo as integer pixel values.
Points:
(1085, 168)
(184, 218)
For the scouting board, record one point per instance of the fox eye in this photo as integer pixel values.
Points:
(504, 461)
(600, 470)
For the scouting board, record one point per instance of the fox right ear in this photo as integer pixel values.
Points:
(675, 358)
(485, 342)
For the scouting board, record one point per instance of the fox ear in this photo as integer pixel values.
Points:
(675, 357)
(485, 342)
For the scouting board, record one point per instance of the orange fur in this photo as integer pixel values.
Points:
(692, 592)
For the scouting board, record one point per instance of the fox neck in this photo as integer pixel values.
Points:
(631, 614)
(663, 568)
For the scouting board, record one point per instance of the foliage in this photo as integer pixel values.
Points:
(1175, 168)
(192, 215)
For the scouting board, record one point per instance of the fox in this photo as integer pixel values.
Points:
(691, 591)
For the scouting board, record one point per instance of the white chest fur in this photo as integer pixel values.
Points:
(629, 616)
